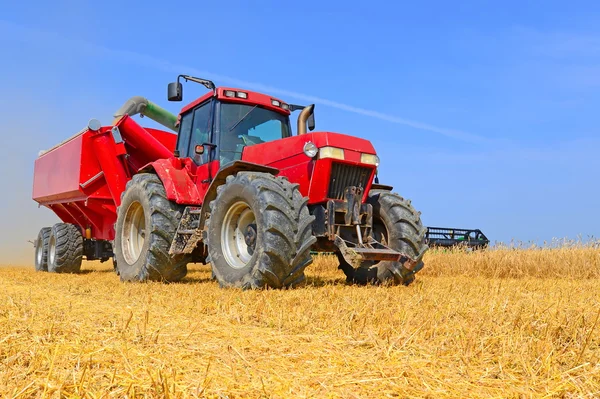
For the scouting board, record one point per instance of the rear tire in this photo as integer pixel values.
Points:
(146, 224)
(259, 232)
(65, 248)
(41, 249)
(397, 225)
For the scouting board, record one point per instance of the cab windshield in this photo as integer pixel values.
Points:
(243, 125)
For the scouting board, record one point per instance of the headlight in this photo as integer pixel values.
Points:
(331, 152)
(370, 159)
(310, 149)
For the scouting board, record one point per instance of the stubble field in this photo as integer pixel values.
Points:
(500, 323)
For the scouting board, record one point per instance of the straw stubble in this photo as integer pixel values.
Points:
(497, 323)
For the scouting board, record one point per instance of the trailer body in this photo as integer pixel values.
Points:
(81, 179)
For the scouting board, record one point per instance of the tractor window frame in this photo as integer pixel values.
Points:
(189, 145)
(185, 122)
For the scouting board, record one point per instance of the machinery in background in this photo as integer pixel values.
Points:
(450, 237)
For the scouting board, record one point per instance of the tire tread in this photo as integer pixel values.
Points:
(286, 231)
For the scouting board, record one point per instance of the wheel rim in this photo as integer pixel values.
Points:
(133, 234)
(238, 235)
(39, 251)
(51, 249)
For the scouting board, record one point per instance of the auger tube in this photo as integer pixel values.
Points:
(140, 105)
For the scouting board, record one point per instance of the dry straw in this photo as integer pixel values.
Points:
(505, 323)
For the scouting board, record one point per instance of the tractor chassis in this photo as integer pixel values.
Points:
(97, 250)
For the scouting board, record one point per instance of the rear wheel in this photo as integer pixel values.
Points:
(259, 232)
(65, 249)
(397, 225)
(41, 249)
(146, 224)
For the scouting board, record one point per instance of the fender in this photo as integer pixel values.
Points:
(382, 187)
(179, 186)
(189, 234)
(229, 169)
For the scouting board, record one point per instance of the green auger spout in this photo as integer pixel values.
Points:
(143, 106)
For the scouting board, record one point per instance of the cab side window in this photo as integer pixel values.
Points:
(202, 125)
(195, 129)
(201, 129)
(183, 139)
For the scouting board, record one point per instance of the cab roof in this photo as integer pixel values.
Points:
(241, 96)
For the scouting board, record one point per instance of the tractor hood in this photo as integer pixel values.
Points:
(275, 152)
(322, 177)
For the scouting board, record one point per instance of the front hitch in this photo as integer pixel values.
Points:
(372, 251)
(357, 217)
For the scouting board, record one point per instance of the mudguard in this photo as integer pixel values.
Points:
(230, 169)
(191, 227)
(178, 184)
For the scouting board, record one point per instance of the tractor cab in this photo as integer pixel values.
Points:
(220, 124)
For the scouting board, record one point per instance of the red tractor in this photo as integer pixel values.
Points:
(234, 188)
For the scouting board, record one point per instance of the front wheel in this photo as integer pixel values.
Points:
(146, 224)
(259, 232)
(397, 225)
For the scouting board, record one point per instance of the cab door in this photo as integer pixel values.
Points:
(194, 142)
(196, 128)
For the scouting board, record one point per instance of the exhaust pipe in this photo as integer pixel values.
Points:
(306, 115)
(140, 105)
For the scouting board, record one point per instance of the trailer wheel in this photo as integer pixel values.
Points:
(259, 232)
(146, 224)
(395, 224)
(65, 248)
(41, 249)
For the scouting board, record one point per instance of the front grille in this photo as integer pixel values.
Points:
(343, 175)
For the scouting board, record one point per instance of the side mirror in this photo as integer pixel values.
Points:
(311, 121)
(175, 91)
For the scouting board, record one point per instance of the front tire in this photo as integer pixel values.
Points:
(146, 224)
(65, 248)
(259, 232)
(397, 225)
(41, 249)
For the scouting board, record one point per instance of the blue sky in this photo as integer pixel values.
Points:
(484, 114)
